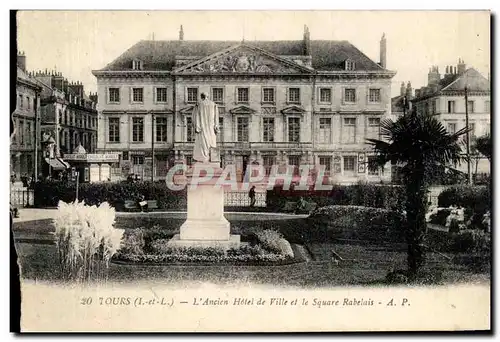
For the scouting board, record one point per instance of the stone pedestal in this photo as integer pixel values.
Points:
(205, 225)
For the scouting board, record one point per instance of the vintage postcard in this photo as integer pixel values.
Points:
(251, 171)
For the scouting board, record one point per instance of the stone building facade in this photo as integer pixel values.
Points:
(22, 155)
(280, 102)
(68, 114)
(445, 98)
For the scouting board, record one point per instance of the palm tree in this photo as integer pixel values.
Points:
(420, 145)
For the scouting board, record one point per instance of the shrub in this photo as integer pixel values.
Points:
(356, 222)
(362, 194)
(273, 241)
(134, 242)
(49, 193)
(440, 216)
(86, 239)
(470, 241)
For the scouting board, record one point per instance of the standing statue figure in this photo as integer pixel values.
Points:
(206, 127)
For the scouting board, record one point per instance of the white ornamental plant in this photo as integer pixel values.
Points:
(456, 214)
(86, 239)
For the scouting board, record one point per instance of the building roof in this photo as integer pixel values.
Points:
(397, 104)
(326, 55)
(24, 77)
(471, 78)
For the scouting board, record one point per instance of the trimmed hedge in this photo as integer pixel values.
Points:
(358, 223)
(49, 193)
(368, 195)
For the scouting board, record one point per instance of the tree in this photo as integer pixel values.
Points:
(483, 145)
(420, 145)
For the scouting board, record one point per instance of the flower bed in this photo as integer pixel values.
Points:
(267, 247)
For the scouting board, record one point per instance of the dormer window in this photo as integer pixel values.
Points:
(350, 65)
(136, 64)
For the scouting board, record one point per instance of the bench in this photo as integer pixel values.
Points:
(292, 207)
(133, 205)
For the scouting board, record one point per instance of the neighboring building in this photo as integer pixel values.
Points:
(445, 98)
(281, 102)
(22, 154)
(68, 115)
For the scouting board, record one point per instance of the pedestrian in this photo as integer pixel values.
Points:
(143, 204)
(251, 194)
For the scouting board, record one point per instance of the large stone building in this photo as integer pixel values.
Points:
(68, 115)
(281, 102)
(22, 148)
(445, 98)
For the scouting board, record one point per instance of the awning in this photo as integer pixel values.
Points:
(56, 164)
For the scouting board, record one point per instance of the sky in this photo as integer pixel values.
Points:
(77, 42)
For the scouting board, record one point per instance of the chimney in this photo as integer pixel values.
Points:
(307, 41)
(403, 88)
(383, 52)
(21, 60)
(461, 66)
(409, 91)
(433, 77)
(181, 33)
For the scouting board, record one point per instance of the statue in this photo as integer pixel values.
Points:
(206, 127)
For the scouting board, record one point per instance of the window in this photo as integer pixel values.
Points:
(294, 129)
(470, 106)
(189, 160)
(137, 65)
(21, 132)
(350, 65)
(451, 106)
(325, 95)
(452, 127)
(66, 121)
(189, 129)
(374, 95)
(20, 101)
(137, 94)
(268, 162)
(138, 160)
(242, 95)
(327, 162)
(28, 133)
(192, 95)
(220, 135)
(268, 95)
(350, 163)
(372, 172)
(161, 95)
(34, 103)
(161, 129)
(294, 95)
(218, 95)
(350, 95)
(268, 129)
(487, 106)
(472, 132)
(349, 131)
(294, 161)
(114, 130)
(242, 129)
(433, 107)
(114, 95)
(325, 130)
(60, 116)
(28, 102)
(373, 130)
(137, 129)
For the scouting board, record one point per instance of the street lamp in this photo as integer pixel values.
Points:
(467, 137)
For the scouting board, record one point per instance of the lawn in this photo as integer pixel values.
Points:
(363, 264)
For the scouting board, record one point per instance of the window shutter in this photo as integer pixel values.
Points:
(155, 96)
(367, 95)
(107, 94)
(342, 95)
(131, 94)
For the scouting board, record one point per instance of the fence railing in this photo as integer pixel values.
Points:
(22, 197)
(241, 199)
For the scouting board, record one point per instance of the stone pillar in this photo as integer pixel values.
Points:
(205, 225)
